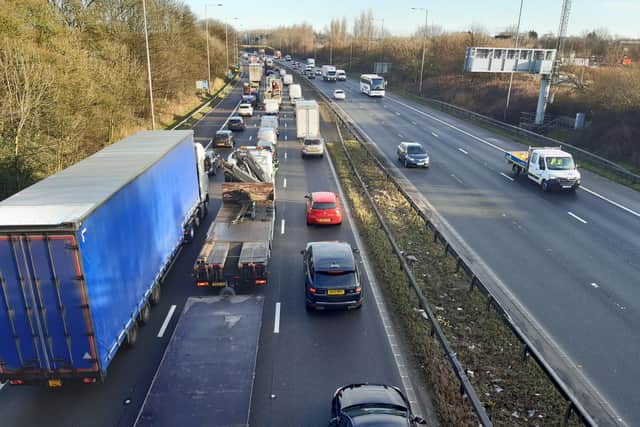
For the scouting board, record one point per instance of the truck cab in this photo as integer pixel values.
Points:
(549, 167)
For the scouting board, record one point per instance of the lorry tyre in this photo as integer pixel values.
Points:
(196, 220)
(544, 185)
(145, 314)
(132, 335)
(155, 295)
(227, 291)
(405, 163)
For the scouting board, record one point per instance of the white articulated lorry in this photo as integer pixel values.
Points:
(329, 73)
(549, 167)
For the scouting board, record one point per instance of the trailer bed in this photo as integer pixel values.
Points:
(206, 375)
(520, 158)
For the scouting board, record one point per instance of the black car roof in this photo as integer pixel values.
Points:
(360, 394)
(332, 256)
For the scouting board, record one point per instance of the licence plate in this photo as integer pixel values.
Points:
(335, 292)
(55, 383)
(324, 220)
(219, 284)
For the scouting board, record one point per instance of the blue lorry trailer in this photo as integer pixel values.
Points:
(206, 374)
(83, 254)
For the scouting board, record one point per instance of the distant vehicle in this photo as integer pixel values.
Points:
(245, 56)
(271, 106)
(223, 138)
(313, 147)
(255, 72)
(283, 72)
(295, 91)
(549, 167)
(372, 85)
(412, 154)
(269, 73)
(269, 62)
(371, 405)
(318, 72)
(341, 75)
(332, 279)
(339, 94)
(310, 73)
(245, 110)
(287, 57)
(236, 123)
(250, 99)
(212, 162)
(287, 79)
(277, 54)
(311, 62)
(295, 65)
(329, 73)
(307, 119)
(85, 253)
(270, 122)
(267, 134)
(323, 208)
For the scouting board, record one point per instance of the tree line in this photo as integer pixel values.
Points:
(73, 77)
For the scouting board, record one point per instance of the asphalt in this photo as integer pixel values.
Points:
(578, 278)
(298, 367)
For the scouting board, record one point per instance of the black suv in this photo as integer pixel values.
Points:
(223, 138)
(371, 405)
(332, 279)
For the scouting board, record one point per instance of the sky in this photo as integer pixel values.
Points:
(619, 17)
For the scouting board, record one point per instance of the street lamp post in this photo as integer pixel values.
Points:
(424, 45)
(146, 40)
(506, 106)
(206, 30)
(235, 39)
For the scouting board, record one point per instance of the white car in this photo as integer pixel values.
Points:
(312, 147)
(339, 94)
(245, 110)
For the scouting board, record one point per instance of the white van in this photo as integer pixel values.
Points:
(267, 135)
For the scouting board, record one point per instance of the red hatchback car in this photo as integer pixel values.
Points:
(323, 207)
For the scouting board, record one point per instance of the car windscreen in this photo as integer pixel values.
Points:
(222, 137)
(334, 279)
(339, 92)
(560, 163)
(323, 205)
(312, 142)
(415, 149)
(237, 120)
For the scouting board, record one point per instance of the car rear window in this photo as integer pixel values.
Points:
(312, 142)
(415, 149)
(334, 279)
(323, 205)
(339, 91)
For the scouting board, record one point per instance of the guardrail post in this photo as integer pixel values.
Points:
(472, 282)
(567, 413)
(525, 352)
(446, 250)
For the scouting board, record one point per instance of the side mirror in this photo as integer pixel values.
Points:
(333, 422)
(355, 250)
(302, 252)
(419, 420)
(307, 196)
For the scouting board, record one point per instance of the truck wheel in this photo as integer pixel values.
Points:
(132, 336)
(190, 234)
(155, 295)
(196, 220)
(227, 291)
(544, 185)
(406, 165)
(145, 314)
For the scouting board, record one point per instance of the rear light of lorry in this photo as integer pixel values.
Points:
(261, 282)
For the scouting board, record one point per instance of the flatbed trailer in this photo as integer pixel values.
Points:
(206, 374)
(237, 248)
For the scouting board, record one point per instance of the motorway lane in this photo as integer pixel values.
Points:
(576, 278)
(116, 402)
(312, 354)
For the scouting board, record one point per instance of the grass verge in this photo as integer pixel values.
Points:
(584, 163)
(514, 391)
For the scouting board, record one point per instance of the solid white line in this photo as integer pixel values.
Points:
(285, 124)
(276, 322)
(577, 217)
(284, 183)
(282, 227)
(616, 204)
(165, 324)
(434, 134)
(462, 151)
(507, 176)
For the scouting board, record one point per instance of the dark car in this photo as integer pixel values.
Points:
(235, 123)
(223, 138)
(332, 279)
(413, 154)
(371, 405)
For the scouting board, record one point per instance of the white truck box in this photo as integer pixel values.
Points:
(307, 119)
